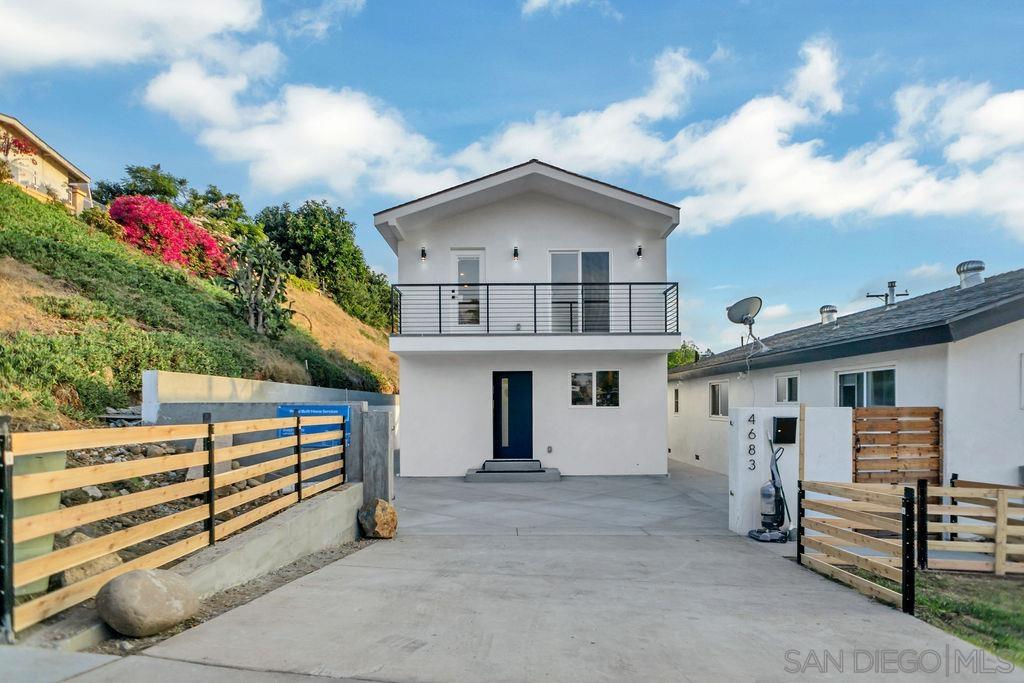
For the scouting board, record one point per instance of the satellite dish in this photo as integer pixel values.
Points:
(744, 311)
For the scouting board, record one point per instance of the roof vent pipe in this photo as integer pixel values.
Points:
(828, 314)
(970, 273)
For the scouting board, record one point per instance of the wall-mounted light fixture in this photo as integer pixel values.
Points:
(423, 253)
(515, 253)
(640, 253)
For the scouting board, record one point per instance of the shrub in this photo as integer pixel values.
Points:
(160, 229)
(98, 219)
(5, 170)
(258, 281)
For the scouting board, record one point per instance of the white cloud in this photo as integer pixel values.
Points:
(816, 83)
(775, 312)
(84, 33)
(530, 7)
(315, 22)
(616, 138)
(338, 138)
(927, 270)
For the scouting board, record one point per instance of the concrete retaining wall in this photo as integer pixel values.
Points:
(323, 521)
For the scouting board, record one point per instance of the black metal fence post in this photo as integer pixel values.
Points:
(800, 522)
(922, 524)
(953, 519)
(210, 470)
(391, 317)
(535, 309)
(344, 446)
(487, 303)
(629, 288)
(298, 454)
(7, 524)
(439, 309)
(907, 583)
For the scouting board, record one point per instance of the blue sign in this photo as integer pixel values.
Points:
(308, 433)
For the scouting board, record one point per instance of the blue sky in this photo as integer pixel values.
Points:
(818, 149)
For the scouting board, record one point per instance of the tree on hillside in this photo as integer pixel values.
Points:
(319, 240)
(258, 282)
(686, 353)
(224, 212)
(149, 181)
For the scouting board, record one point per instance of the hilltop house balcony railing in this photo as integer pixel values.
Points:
(502, 308)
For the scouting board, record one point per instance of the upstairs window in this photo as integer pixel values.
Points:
(866, 388)
(718, 392)
(787, 388)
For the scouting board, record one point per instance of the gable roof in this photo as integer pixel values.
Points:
(533, 175)
(76, 174)
(934, 318)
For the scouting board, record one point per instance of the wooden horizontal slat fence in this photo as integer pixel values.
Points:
(975, 518)
(897, 445)
(310, 455)
(831, 538)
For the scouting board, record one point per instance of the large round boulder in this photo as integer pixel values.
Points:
(143, 602)
(378, 519)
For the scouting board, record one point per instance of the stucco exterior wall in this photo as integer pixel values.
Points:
(447, 413)
(537, 223)
(920, 381)
(984, 417)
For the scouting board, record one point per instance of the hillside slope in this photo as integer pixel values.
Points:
(336, 330)
(84, 314)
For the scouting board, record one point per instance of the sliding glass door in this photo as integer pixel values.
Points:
(579, 291)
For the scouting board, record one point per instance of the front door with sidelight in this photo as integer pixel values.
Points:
(513, 414)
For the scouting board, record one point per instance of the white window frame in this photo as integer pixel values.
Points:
(593, 399)
(788, 375)
(864, 370)
(707, 404)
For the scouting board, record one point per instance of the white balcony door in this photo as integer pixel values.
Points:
(466, 304)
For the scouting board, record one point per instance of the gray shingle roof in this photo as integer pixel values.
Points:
(926, 319)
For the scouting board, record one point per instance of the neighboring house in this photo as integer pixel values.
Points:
(960, 348)
(532, 320)
(43, 169)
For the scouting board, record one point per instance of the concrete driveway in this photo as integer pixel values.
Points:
(597, 578)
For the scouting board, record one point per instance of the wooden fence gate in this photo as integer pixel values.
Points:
(896, 445)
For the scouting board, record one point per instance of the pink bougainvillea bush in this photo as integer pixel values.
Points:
(160, 229)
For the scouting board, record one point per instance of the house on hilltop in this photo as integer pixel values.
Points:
(38, 169)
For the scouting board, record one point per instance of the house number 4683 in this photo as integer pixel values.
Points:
(751, 448)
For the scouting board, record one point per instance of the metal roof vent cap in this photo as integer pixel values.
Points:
(828, 314)
(970, 273)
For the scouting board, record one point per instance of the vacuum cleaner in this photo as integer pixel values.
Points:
(773, 505)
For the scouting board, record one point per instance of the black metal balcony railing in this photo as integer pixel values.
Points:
(535, 308)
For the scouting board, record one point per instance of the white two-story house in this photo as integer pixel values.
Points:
(531, 320)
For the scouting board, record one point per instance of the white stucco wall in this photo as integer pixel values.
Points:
(447, 418)
(828, 439)
(538, 224)
(984, 416)
(920, 381)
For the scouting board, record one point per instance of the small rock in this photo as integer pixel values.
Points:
(152, 451)
(135, 449)
(87, 569)
(232, 489)
(235, 465)
(124, 646)
(378, 519)
(181, 449)
(143, 602)
(54, 427)
(123, 492)
(253, 482)
(93, 492)
(75, 496)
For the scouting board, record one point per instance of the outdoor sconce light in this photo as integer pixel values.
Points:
(640, 253)
(515, 253)
(423, 253)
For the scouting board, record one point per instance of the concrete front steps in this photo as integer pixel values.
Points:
(512, 470)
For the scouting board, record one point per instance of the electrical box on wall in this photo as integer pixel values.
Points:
(784, 430)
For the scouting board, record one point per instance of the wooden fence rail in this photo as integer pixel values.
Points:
(310, 455)
(897, 445)
(837, 522)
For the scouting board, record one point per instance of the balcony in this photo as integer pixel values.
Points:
(570, 315)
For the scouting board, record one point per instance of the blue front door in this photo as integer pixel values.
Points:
(513, 414)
